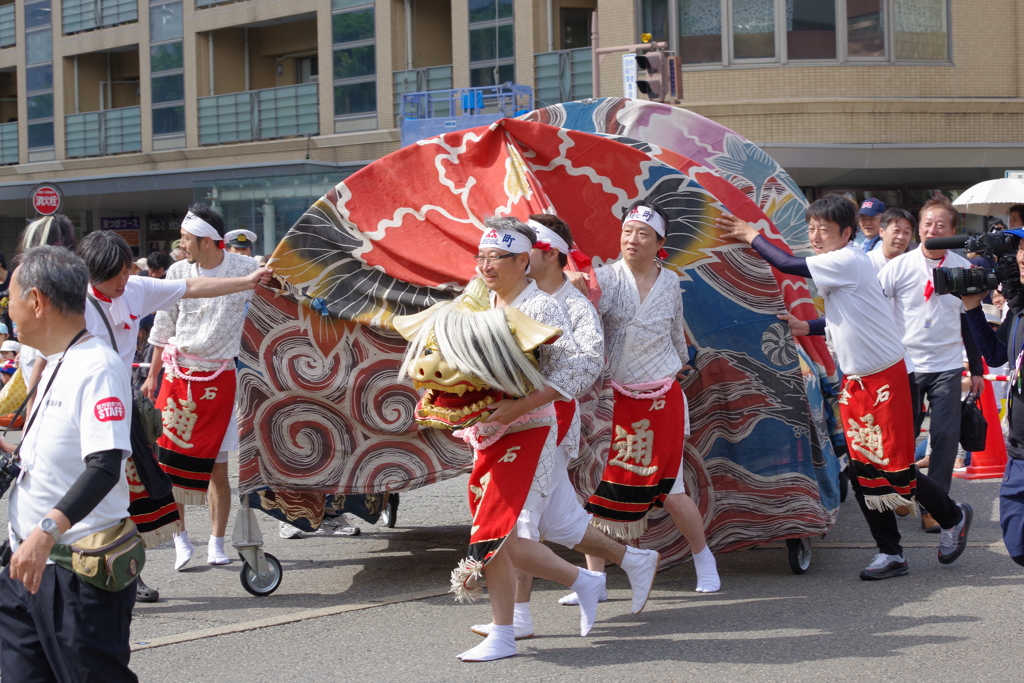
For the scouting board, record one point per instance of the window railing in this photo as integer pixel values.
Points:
(421, 80)
(85, 15)
(7, 33)
(506, 100)
(8, 143)
(98, 133)
(259, 114)
(563, 76)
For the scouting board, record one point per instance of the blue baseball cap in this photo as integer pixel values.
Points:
(871, 207)
(1019, 232)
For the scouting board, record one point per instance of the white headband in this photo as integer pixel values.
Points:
(649, 216)
(200, 228)
(509, 240)
(546, 235)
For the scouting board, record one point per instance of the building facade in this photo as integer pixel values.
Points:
(136, 109)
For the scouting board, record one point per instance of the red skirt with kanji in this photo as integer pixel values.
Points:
(196, 415)
(649, 426)
(503, 470)
(878, 420)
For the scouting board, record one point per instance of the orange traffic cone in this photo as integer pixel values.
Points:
(991, 462)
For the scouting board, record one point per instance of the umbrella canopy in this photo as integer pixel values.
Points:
(992, 197)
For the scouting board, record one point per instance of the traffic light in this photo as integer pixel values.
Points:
(652, 78)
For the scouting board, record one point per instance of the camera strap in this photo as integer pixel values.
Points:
(32, 418)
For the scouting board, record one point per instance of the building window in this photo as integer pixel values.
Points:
(167, 74)
(355, 62)
(85, 15)
(491, 43)
(727, 32)
(39, 80)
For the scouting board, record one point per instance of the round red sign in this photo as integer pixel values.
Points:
(46, 200)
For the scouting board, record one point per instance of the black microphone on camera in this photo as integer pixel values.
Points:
(952, 242)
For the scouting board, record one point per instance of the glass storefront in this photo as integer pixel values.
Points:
(268, 206)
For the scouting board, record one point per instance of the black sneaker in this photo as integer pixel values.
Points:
(885, 567)
(953, 542)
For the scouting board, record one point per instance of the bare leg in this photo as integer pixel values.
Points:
(687, 519)
(181, 513)
(524, 587)
(501, 585)
(537, 559)
(220, 499)
(598, 547)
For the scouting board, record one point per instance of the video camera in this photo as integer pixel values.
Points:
(999, 246)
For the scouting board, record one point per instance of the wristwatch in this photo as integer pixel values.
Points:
(48, 525)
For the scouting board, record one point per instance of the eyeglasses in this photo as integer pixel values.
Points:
(490, 260)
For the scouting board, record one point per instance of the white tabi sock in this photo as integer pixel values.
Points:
(640, 567)
(588, 586)
(215, 551)
(707, 571)
(183, 550)
(498, 645)
(521, 616)
(521, 621)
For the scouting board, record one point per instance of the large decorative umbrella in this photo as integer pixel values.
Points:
(325, 413)
(992, 197)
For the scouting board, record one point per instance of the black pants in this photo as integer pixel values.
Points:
(884, 528)
(68, 632)
(942, 389)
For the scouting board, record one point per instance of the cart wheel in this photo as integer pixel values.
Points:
(844, 484)
(390, 514)
(253, 584)
(799, 554)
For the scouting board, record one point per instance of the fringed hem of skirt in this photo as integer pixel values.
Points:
(890, 501)
(151, 539)
(627, 532)
(189, 497)
(469, 571)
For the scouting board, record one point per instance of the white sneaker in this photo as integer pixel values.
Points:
(215, 552)
(571, 600)
(521, 631)
(286, 530)
(183, 551)
(338, 526)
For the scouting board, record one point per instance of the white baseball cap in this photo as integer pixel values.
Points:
(10, 345)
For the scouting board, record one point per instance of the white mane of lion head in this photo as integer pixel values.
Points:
(468, 356)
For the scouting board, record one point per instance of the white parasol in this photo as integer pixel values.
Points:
(992, 197)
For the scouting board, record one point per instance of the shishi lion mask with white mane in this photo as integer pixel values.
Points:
(468, 356)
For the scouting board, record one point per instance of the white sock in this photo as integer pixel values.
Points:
(499, 644)
(217, 542)
(183, 535)
(588, 586)
(521, 616)
(707, 571)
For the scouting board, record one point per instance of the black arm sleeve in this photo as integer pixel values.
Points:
(102, 470)
(817, 327)
(992, 344)
(779, 259)
(974, 363)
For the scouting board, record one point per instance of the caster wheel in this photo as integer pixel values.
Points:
(844, 484)
(254, 585)
(390, 514)
(799, 554)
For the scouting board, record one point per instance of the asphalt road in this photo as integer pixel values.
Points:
(373, 608)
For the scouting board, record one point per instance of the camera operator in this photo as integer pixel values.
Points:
(998, 347)
(54, 625)
(934, 328)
